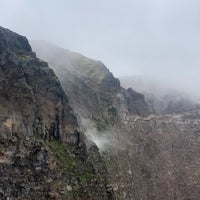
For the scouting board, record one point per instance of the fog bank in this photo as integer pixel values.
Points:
(158, 39)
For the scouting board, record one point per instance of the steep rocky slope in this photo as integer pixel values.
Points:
(157, 158)
(149, 156)
(32, 99)
(93, 91)
(42, 150)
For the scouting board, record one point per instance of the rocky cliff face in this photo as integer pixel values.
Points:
(92, 89)
(42, 151)
(149, 156)
(32, 101)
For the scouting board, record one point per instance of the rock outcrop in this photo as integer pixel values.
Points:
(92, 89)
(42, 150)
(31, 98)
(161, 98)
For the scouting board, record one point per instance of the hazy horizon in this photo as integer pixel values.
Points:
(158, 39)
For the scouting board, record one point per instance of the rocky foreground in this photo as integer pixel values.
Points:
(43, 154)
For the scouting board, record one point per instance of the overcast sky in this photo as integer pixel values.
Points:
(158, 38)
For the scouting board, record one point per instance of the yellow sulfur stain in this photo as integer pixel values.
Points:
(8, 123)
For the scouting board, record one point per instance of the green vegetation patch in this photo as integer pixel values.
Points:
(74, 165)
(79, 172)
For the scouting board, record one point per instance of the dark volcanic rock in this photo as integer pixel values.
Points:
(42, 152)
(31, 98)
(13, 42)
(92, 89)
(133, 102)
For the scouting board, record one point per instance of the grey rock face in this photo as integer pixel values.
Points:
(42, 152)
(133, 102)
(92, 89)
(31, 98)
